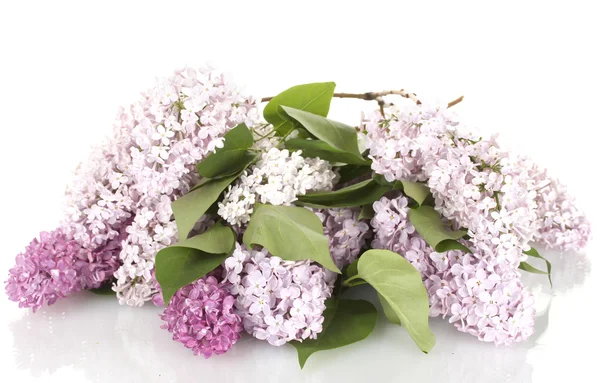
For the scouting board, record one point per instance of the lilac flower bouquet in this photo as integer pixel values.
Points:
(238, 224)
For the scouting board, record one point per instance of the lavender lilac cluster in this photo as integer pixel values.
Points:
(279, 301)
(490, 304)
(478, 186)
(346, 233)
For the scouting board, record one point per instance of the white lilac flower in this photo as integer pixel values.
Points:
(277, 178)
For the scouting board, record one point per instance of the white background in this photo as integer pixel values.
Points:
(528, 70)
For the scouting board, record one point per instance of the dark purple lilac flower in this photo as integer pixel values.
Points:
(46, 271)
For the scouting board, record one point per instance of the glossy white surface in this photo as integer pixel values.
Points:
(529, 72)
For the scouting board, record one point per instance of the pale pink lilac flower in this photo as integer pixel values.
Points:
(130, 181)
(279, 301)
(489, 302)
(498, 197)
(201, 317)
(346, 233)
(562, 225)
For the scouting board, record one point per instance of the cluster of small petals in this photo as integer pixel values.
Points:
(277, 178)
(400, 144)
(129, 185)
(476, 185)
(265, 138)
(561, 224)
(201, 316)
(346, 233)
(45, 271)
(279, 301)
(489, 302)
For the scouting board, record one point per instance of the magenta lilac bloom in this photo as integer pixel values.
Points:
(200, 315)
(45, 271)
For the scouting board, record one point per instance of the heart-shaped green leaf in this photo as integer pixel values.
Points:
(189, 208)
(233, 157)
(437, 234)
(290, 232)
(400, 285)
(314, 98)
(187, 261)
(362, 193)
(346, 322)
(339, 136)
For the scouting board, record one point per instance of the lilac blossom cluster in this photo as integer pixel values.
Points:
(476, 185)
(346, 233)
(173, 126)
(118, 207)
(561, 224)
(504, 202)
(45, 271)
(277, 178)
(279, 301)
(200, 315)
(484, 300)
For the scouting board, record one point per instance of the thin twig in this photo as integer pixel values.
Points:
(452, 103)
(378, 96)
(369, 95)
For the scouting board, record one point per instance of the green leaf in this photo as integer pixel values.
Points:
(418, 191)
(527, 267)
(318, 148)
(388, 311)
(366, 212)
(400, 285)
(340, 136)
(346, 322)
(362, 193)
(233, 157)
(437, 234)
(105, 289)
(314, 98)
(451, 244)
(290, 232)
(530, 269)
(187, 261)
(218, 239)
(396, 185)
(202, 182)
(352, 269)
(351, 172)
(189, 208)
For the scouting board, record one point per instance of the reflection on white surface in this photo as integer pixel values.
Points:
(93, 335)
